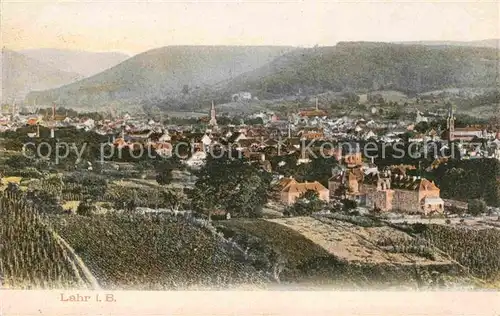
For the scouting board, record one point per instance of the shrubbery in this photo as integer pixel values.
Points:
(476, 207)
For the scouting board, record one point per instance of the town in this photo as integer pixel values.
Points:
(162, 146)
(309, 151)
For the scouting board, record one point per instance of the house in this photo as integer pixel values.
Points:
(467, 133)
(417, 138)
(416, 195)
(291, 190)
(197, 160)
(420, 118)
(206, 141)
(387, 191)
(369, 135)
(241, 96)
(165, 137)
(164, 149)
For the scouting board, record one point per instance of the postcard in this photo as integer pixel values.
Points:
(250, 158)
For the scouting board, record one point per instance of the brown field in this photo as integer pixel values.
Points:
(354, 243)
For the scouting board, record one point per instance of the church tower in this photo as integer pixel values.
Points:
(450, 123)
(213, 120)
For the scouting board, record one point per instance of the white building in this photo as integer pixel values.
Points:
(241, 96)
(197, 160)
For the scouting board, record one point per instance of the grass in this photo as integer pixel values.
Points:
(292, 245)
(71, 205)
(308, 263)
(16, 180)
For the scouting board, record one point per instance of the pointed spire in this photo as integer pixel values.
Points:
(213, 119)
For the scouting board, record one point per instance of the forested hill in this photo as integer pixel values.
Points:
(366, 65)
(161, 73)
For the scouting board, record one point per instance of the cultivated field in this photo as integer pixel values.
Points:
(354, 243)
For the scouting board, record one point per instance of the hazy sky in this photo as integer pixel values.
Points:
(133, 26)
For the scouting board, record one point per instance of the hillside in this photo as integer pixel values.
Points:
(477, 249)
(160, 251)
(30, 254)
(154, 252)
(21, 74)
(163, 72)
(315, 252)
(491, 43)
(372, 66)
(81, 62)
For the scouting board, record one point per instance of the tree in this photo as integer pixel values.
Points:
(476, 207)
(422, 127)
(231, 185)
(86, 208)
(349, 205)
(320, 169)
(174, 198)
(307, 204)
(310, 195)
(164, 170)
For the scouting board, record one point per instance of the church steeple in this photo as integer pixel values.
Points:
(213, 119)
(450, 123)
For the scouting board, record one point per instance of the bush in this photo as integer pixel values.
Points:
(86, 208)
(349, 205)
(476, 207)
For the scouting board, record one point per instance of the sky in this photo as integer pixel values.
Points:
(133, 27)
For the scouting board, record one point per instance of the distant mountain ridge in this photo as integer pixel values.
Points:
(163, 72)
(491, 43)
(82, 62)
(21, 74)
(355, 66)
(183, 76)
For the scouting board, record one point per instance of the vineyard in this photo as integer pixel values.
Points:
(331, 253)
(154, 252)
(73, 188)
(30, 254)
(476, 249)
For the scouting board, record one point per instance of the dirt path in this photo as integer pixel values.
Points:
(76, 260)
